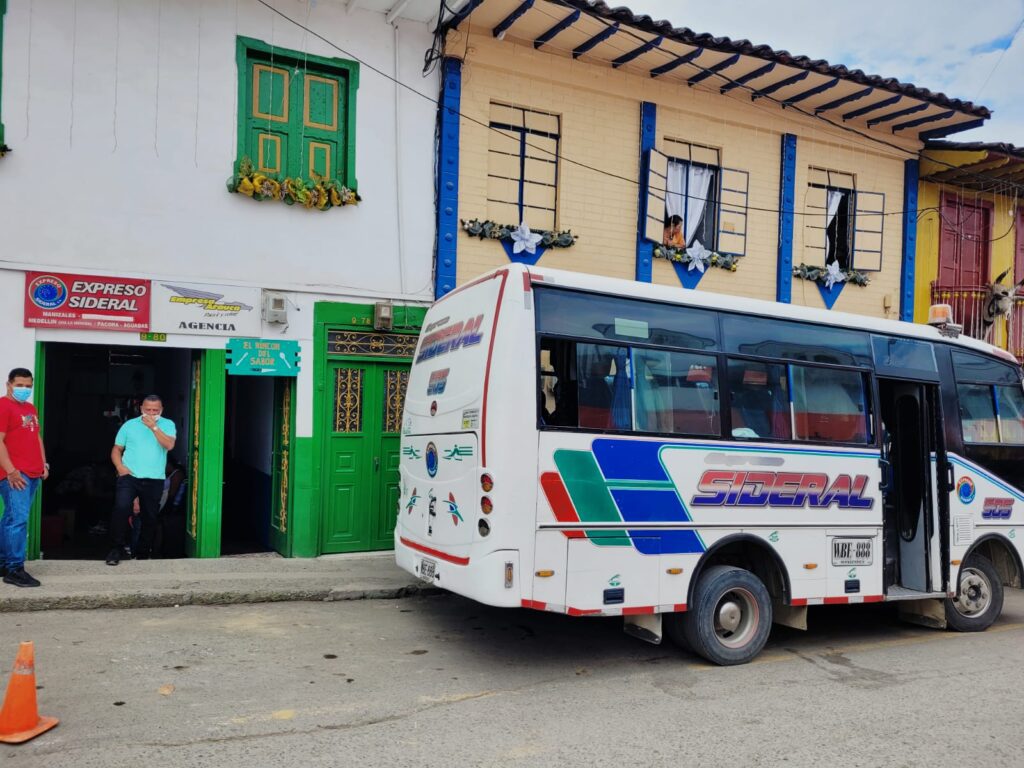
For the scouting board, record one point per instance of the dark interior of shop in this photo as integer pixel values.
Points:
(248, 447)
(91, 390)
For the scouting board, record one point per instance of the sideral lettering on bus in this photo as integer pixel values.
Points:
(460, 334)
(728, 488)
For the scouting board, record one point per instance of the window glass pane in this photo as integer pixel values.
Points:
(795, 341)
(970, 367)
(558, 386)
(593, 316)
(1011, 413)
(903, 354)
(829, 405)
(760, 400)
(676, 392)
(977, 413)
(604, 390)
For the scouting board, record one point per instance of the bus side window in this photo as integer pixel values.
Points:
(557, 397)
(977, 413)
(759, 394)
(676, 392)
(1011, 413)
(829, 405)
(598, 375)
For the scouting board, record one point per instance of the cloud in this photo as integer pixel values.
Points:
(945, 46)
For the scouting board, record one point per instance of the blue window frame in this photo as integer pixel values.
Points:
(522, 166)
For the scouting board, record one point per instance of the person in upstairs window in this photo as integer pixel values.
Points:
(674, 232)
(140, 458)
(23, 459)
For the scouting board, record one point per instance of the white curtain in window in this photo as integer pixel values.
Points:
(835, 199)
(699, 179)
(674, 197)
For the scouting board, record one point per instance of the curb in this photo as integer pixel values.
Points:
(174, 598)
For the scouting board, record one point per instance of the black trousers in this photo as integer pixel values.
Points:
(148, 491)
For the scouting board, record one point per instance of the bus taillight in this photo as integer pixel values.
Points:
(486, 506)
(486, 483)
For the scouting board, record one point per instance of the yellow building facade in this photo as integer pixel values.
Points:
(558, 105)
(970, 232)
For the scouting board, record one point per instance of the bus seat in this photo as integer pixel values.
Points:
(595, 397)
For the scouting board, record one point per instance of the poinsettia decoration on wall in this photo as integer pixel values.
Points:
(830, 275)
(522, 238)
(697, 257)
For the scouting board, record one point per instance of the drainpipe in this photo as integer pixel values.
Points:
(398, 166)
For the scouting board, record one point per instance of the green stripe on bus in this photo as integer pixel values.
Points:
(589, 493)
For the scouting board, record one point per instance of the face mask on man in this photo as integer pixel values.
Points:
(21, 394)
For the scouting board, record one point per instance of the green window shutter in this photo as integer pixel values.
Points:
(297, 113)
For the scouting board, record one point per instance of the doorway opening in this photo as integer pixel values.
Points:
(257, 447)
(90, 391)
(910, 440)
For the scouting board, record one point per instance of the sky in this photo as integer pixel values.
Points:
(971, 51)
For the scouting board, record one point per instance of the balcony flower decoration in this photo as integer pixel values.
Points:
(521, 238)
(831, 275)
(319, 193)
(697, 257)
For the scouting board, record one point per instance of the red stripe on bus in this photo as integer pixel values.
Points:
(487, 371)
(527, 282)
(679, 607)
(561, 504)
(461, 288)
(637, 610)
(836, 600)
(584, 611)
(874, 598)
(798, 601)
(435, 552)
(537, 605)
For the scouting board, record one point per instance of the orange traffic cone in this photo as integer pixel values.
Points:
(19, 718)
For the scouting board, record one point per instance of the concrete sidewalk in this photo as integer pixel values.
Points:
(81, 584)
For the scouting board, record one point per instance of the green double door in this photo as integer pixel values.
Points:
(360, 484)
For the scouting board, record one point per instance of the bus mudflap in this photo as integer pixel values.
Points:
(646, 627)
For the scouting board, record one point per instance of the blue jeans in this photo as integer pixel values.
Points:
(14, 523)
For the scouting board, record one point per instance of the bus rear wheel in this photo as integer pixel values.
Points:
(731, 616)
(979, 597)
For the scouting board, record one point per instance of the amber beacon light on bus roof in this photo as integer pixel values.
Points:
(941, 316)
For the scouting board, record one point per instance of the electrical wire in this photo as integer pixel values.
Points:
(558, 154)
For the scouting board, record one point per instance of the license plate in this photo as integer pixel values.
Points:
(852, 551)
(427, 569)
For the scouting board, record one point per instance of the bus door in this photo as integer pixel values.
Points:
(913, 452)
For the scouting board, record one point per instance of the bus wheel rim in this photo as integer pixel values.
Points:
(975, 594)
(736, 618)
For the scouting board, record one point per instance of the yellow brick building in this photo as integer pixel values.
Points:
(970, 232)
(551, 110)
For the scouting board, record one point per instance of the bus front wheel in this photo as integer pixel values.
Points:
(731, 616)
(979, 598)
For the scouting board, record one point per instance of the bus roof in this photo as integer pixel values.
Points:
(748, 306)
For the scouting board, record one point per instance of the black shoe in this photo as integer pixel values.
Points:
(114, 556)
(3, 571)
(20, 578)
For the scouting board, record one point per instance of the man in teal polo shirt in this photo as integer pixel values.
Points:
(140, 457)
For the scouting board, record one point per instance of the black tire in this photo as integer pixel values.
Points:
(979, 599)
(731, 616)
(672, 624)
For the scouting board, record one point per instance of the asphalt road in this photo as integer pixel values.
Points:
(440, 681)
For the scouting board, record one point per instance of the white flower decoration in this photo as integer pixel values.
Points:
(833, 274)
(525, 239)
(699, 256)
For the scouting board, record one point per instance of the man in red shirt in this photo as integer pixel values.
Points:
(23, 463)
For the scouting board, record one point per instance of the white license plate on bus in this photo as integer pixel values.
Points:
(427, 570)
(852, 551)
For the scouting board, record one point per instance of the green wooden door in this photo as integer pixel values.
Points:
(281, 469)
(361, 456)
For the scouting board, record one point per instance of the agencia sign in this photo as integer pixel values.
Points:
(205, 310)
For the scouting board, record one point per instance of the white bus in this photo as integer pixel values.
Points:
(704, 465)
